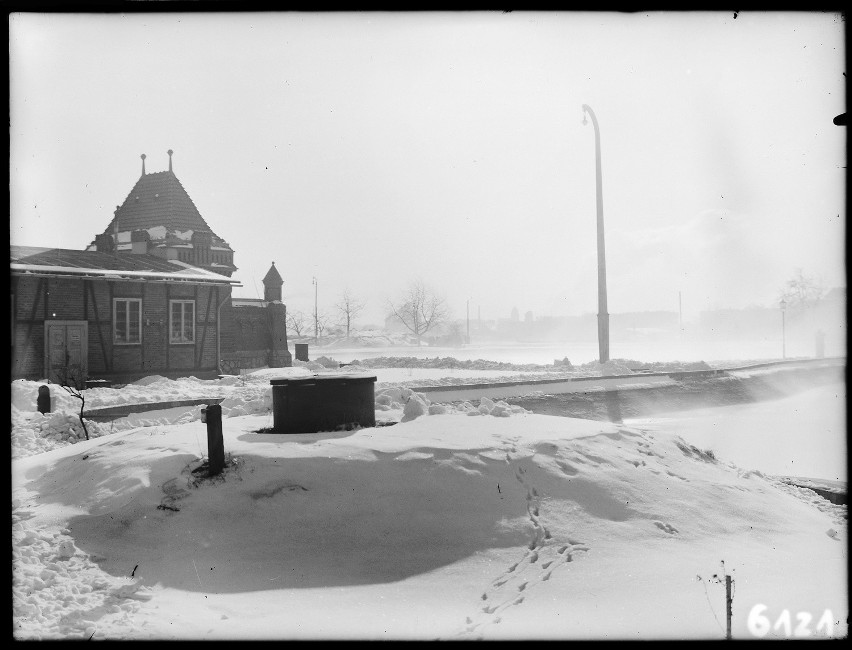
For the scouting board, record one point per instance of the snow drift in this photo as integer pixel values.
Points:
(440, 527)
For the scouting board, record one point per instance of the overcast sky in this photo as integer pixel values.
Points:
(370, 149)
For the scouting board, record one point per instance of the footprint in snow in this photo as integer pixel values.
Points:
(666, 528)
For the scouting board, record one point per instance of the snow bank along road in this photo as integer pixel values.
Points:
(527, 386)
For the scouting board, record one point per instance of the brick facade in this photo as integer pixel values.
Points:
(254, 336)
(37, 299)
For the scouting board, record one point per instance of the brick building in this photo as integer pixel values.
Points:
(150, 295)
(84, 314)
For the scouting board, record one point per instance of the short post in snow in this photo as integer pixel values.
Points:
(212, 415)
(728, 603)
(43, 400)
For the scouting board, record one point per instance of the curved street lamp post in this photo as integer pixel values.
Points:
(603, 315)
(316, 313)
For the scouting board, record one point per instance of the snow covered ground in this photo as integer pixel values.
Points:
(446, 525)
(800, 435)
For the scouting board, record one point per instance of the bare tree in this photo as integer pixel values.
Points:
(348, 307)
(419, 309)
(802, 291)
(455, 332)
(324, 323)
(74, 383)
(297, 322)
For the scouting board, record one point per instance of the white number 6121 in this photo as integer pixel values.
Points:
(759, 625)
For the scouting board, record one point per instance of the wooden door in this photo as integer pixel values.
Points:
(66, 352)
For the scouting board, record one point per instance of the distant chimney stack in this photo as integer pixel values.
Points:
(115, 230)
(143, 164)
(170, 152)
(139, 242)
(104, 243)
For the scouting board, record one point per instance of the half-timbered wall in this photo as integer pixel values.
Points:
(36, 300)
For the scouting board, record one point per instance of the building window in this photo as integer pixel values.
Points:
(127, 321)
(181, 321)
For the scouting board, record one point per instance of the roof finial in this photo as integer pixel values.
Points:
(143, 164)
(170, 152)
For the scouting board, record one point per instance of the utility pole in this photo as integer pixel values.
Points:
(316, 313)
(603, 315)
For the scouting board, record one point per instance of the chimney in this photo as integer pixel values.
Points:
(104, 243)
(143, 164)
(170, 152)
(139, 242)
(115, 230)
(201, 240)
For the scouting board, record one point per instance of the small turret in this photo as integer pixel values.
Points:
(272, 284)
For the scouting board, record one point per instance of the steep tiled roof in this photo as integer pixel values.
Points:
(158, 199)
(62, 261)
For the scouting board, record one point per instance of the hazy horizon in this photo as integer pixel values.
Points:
(369, 149)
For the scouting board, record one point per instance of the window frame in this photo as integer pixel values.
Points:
(182, 301)
(127, 301)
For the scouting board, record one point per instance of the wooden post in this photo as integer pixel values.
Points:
(215, 444)
(43, 400)
(728, 603)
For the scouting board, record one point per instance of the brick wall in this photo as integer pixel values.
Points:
(256, 336)
(40, 299)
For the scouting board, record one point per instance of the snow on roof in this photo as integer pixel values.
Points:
(187, 274)
(157, 232)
